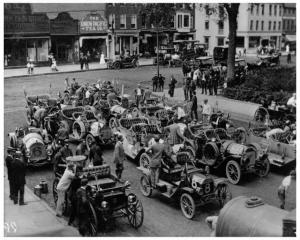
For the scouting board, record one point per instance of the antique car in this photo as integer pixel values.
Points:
(269, 60)
(87, 126)
(252, 217)
(191, 186)
(216, 149)
(66, 116)
(124, 62)
(34, 143)
(77, 98)
(107, 197)
(281, 146)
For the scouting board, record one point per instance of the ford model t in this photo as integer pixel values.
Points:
(186, 184)
(107, 197)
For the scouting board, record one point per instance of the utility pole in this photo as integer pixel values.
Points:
(157, 52)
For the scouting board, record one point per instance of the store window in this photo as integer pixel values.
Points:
(123, 21)
(179, 22)
(206, 41)
(206, 25)
(262, 25)
(254, 42)
(186, 21)
(133, 22)
(221, 26)
(240, 42)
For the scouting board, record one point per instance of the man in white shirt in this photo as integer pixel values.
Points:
(62, 187)
(196, 76)
(283, 188)
(292, 103)
(206, 112)
(139, 92)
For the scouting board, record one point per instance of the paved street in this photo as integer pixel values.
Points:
(161, 218)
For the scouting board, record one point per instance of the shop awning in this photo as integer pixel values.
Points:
(290, 38)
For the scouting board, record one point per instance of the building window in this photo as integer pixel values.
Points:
(292, 24)
(220, 41)
(279, 25)
(287, 24)
(262, 9)
(280, 9)
(206, 25)
(254, 42)
(143, 21)
(251, 8)
(275, 10)
(251, 25)
(123, 21)
(240, 42)
(206, 41)
(270, 25)
(283, 24)
(270, 9)
(179, 22)
(257, 9)
(192, 22)
(262, 25)
(133, 21)
(221, 27)
(186, 21)
(274, 26)
(111, 21)
(256, 27)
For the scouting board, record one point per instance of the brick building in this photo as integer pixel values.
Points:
(289, 25)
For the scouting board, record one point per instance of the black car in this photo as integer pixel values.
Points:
(124, 62)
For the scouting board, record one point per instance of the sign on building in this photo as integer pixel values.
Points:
(64, 24)
(93, 23)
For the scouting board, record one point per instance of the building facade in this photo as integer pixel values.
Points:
(289, 25)
(258, 25)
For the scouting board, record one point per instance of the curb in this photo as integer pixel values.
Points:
(61, 72)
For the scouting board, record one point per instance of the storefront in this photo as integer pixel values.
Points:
(26, 36)
(64, 38)
(126, 41)
(93, 38)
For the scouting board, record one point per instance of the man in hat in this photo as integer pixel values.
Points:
(18, 172)
(284, 187)
(206, 112)
(62, 133)
(62, 187)
(119, 157)
(292, 103)
(9, 163)
(147, 94)
(194, 107)
(82, 149)
(96, 154)
(172, 86)
(155, 83)
(74, 86)
(62, 154)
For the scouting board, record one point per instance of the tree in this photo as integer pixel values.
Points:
(159, 16)
(230, 11)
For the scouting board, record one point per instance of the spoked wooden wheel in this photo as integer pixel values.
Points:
(187, 205)
(145, 186)
(145, 161)
(93, 221)
(135, 214)
(233, 172)
(264, 168)
(224, 194)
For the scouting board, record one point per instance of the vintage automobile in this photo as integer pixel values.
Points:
(281, 146)
(107, 198)
(77, 98)
(87, 126)
(34, 143)
(216, 149)
(269, 60)
(124, 62)
(252, 217)
(191, 186)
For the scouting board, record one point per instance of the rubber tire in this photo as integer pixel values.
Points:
(82, 133)
(222, 200)
(135, 224)
(66, 125)
(211, 161)
(144, 157)
(266, 172)
(145, 179)
(239, 172)
(193, 205)
(117, 65)
(95, 219)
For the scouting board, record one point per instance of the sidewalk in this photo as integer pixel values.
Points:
(36, 219)
(22, 72)
(239, 110)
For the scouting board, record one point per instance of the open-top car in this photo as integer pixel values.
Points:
(191, 186)
(107, 197)
(269, 60)
(124, 62)
(34, 143)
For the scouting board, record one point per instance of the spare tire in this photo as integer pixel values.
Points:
(79, 130)
(211, 152)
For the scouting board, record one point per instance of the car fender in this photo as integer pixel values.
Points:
(220, 182)
(187, 190)
(137, 158)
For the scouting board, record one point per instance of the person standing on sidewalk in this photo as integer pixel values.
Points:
(139, 93)
(9, 161)
(193, 88)
(194, 107)
(18, 178)
(172, 86)
(206, 112)
(289, 58)
(204, 82)
(284, 186)
(119, 157)
(62, 187)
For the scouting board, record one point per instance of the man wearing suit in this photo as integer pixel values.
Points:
(157, 150)
(119, 157)
(175, 136)
(9, 162)
(18, 167)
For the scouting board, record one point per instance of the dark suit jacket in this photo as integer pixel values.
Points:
(18, 172)
(157, 151)
(9, 161)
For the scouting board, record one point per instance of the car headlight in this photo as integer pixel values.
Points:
(104, 204)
